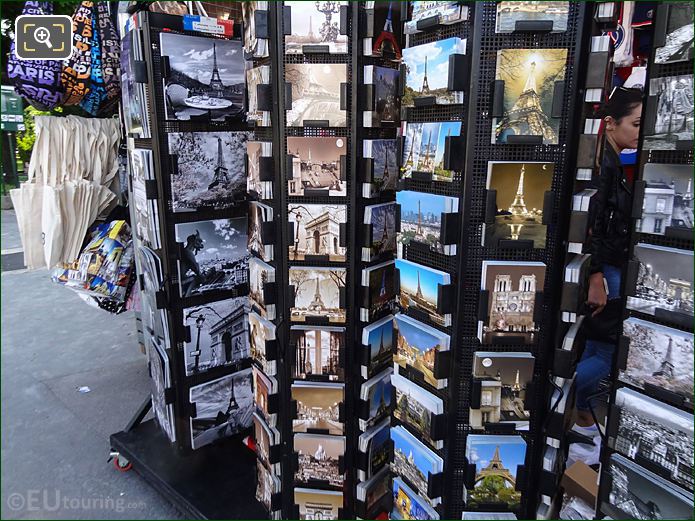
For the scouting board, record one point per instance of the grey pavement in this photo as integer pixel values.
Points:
(55, 439)
(9, 238)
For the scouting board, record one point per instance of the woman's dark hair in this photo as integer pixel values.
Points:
(621, 103)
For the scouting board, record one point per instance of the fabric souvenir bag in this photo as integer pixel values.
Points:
(37, 81)
(77, 71)
(110, 57)
(96, 91)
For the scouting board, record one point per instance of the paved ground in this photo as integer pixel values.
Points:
(55, 439)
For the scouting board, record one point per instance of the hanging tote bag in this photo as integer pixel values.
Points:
(37, 81)
(77, 71)
(110, 58)
(96, 92)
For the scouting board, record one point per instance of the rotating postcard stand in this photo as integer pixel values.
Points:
(186, 364)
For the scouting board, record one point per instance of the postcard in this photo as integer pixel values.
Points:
(509, 13)
(378, 339)
(319, 459)
(381, 242)
(260, 274)
(214, 255)
(386, 106)
(384, 175)
(318, 504)
(520, 192)
(414, 461)
(267, 483)
(496, 460)
(316, 165)
(318, 407)
(504, 378)
(424, 146)
(206, 77)
(408, 505)
(388, 30)
(427, 71)
(379, 284)
(674, 112)
(253, 45)
(261, 331)
(254, 77)
(421, 219)
(317, 352)
(160, 380)
(529, 77)
(664, 280)
(255, 150)
(266, 437)
(377, 392)
(210, 170)
(223, 407)
(373, 490)
(263, 388)
(660, 357)
(259, 213)
(218, 334)
(415, 407)
(511, 288)
(417, 347)
(317, 230)
(316, 93)
(679, 34)
(316, 293)
(146, 227)
(374, 443)
(315, 24)
(668, 198)
(446, 13)
(420, 290)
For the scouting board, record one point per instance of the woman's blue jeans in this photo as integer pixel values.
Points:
(597, 357)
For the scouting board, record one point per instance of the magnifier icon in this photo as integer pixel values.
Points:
(43, 35)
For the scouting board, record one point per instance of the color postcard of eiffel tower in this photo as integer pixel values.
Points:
(427, 71)
(529, 77)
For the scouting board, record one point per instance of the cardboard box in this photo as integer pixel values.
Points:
(581, 481)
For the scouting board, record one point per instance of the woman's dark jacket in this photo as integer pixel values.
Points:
(611, 214)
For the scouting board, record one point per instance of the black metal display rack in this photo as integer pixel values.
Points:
(680, 153)
(191, 489)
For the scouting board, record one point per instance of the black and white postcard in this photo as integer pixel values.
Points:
(210, 170)
(316, 93)
(315, 24)
(267, 483)
(384, 170)
(160, 380)
(511, 288)
(674, 112)
(318, 352)
(255, 150)
(379, 285)
(317, 165)
(205, 77)
(496, 460)
(264, 387)
(417, 348)
(668, 198)
(504, 378)
(261, 331)
(385, 109)
(529, 77)
(659, 356)
(318, 407)
(520, 191)
(664, 280)
(316, 293)
(381, 241)
(319, 458)
(266, 437)
(318, 504)
(146, 227)
(427, 71)
(154, 319)
(424, 146)
(260, 274)
(213, 257)
(679, 34)
(421, 219)
(223, 407)
(656, 432)
(218, 334)
(259, 213)
(509, 13)
(640, 494)
(419, 289)
(378, 338)
(416, 407)
(316, 231)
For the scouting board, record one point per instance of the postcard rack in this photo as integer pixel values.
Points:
(483, 105)
(665, 151)
(195, 481)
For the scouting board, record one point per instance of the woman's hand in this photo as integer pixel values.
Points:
(596, 298)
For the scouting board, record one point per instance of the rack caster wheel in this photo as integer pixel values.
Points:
(121, 463)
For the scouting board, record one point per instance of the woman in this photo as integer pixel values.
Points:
(611, 223)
